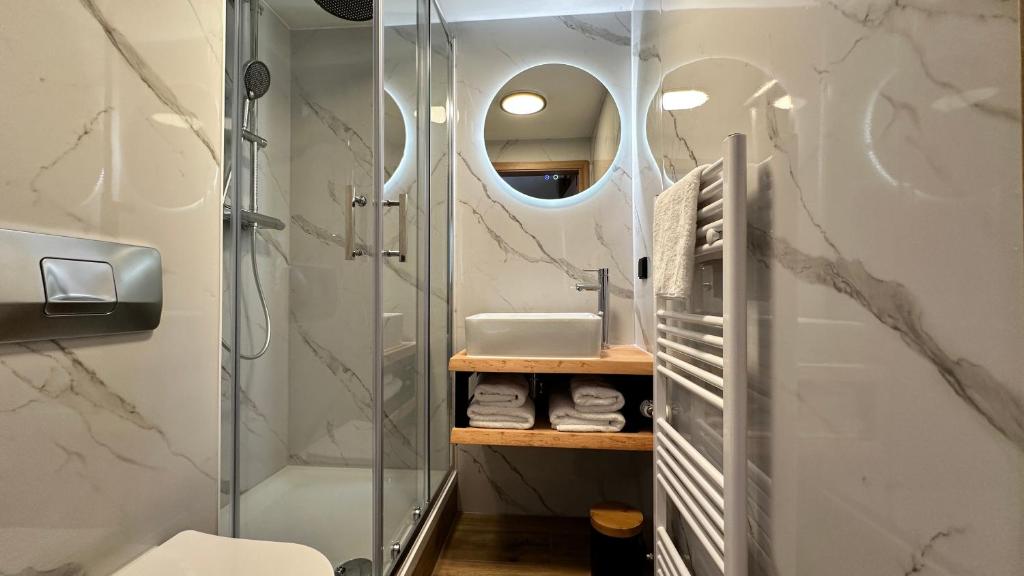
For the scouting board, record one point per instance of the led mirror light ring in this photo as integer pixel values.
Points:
(523, 103)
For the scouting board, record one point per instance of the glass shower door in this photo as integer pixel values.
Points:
(403, 281)
(440, 196)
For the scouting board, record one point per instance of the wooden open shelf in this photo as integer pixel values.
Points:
(628, 359)
(543, 436)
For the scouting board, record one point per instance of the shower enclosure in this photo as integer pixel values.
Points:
(337, 236)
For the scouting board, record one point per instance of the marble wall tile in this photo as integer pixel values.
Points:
(546, 482)
(111, 444)
(331, 369)
(886, 278)
(331, 324)
(512, 255)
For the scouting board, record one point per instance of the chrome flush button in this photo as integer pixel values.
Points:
(78, 287)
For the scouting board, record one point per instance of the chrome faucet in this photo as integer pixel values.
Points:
(602, 300)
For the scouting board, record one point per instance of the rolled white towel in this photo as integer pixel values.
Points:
(593, 394)
(509, 390)
(490, 416)
(565, 418)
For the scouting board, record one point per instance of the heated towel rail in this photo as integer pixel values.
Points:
(699, 503)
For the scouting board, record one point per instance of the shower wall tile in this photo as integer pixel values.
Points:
(331, 320)
(110, 445)
(885, 241)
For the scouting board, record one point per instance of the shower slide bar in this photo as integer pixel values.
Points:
(705, 355)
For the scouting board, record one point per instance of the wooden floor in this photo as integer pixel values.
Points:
(516, 545)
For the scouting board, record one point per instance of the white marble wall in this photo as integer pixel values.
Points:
(887, 279)
(512, 255)
(113, 122)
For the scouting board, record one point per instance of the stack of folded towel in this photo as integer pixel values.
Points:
(502, 401)
(594, 406)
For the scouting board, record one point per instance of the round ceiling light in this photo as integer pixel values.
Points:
(523, 103)
(683, 99)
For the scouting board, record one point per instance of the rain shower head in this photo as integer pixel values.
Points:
(257, 79)
(354, 10)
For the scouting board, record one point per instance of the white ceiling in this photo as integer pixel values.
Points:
(574, 102)
(470, 10)
(305, 14)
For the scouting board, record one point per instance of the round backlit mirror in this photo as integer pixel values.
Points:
(552, 131)
(394, 136)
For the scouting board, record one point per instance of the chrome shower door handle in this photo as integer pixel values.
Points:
(403, 234)
(349, 204)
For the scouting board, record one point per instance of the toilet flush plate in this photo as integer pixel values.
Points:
(192, 552)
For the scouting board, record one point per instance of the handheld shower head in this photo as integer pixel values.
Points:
(257, 79)
(354, 10)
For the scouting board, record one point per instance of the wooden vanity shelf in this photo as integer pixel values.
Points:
(614, 360)
(630, 363)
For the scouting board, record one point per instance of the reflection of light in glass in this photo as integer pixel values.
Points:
(683, 99)
(175, 120)
(523, 103)
(963, 99)
(869, 141)
(784, 103)
(438, 114)
(763, 90)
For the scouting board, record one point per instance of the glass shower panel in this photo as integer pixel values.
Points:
(304, 412)
(440, 210)
(403, 279)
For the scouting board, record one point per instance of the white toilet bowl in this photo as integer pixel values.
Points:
(193, 553)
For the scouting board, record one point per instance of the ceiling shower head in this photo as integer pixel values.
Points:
(257, 79)
(354, 10)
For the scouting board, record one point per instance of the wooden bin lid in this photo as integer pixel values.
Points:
(616, 520)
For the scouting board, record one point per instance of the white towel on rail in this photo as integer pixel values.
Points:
(593, 394)
(675, 231)
(489, 416)
(565, 418)
(509, 390)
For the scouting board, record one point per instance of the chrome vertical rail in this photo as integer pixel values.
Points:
(734, 307)
(377, 244)
(451, 112)
(236, 269)
(422, 214)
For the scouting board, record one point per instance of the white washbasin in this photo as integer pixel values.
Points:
(394, 325)
(534, 334)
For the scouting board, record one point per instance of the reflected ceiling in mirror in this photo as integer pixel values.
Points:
(552, 131)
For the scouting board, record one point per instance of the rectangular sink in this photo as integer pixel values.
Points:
(534, 335)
